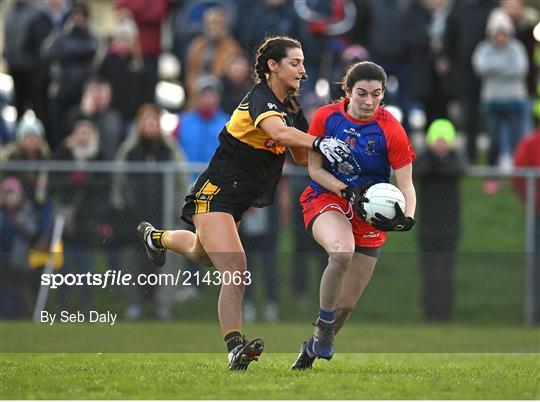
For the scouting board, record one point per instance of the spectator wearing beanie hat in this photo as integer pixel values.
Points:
(502, 65)
(29, 143)
(438, 172)
(18, 226)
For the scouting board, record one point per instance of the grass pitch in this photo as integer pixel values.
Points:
(367, 375)
(204, 376)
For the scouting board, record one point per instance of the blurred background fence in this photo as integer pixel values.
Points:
(477, 266)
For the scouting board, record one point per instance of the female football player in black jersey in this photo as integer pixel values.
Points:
(244, 172)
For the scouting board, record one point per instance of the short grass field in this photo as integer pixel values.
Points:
(203, 376)
(375, 362)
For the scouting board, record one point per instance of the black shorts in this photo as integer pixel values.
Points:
(220, 188)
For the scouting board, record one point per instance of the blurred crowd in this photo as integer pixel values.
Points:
(84, 96)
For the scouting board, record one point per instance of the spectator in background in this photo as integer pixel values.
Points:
(527, 154)
(187, 21)
(525, 19)
(210, 52)
(383, 30)
(18, 226)
(235, 83)
(123, 67)
(71, 54)
(148, 15)
(80, 194)
(133, 193)
(276, 17)
(30, 146)
(198, 128)
(438, 172)
(95, 106)
(501, 63)
(428, 87)
(19, 60)
(351, 55)
(324, 29)
(29, 143)
(49, 21)
(465, 28)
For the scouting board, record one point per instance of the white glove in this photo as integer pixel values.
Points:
(333, 149)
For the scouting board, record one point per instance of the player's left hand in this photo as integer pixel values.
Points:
(400, 223)
(356, 196)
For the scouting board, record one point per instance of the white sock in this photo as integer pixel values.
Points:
(149, 242)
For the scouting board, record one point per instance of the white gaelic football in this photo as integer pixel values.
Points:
(382, 197)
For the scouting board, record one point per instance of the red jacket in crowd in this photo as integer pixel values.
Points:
(527, 154)
(148, 16)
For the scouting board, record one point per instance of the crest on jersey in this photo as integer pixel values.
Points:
(271, 106)
(370, 148)
(345, 168)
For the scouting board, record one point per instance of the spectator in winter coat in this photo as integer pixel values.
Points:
(428, 87)
(19, 60)
(48, 22)
(187, 21)
(525, 19)
(123, 67)
(210, 52)
(30, 146)
(198, 128)
(18, 226)
(72, 54)
(96, 106)
(438, 172)
(235, 83)
(501, 63)
(465, 28)
(148, 15)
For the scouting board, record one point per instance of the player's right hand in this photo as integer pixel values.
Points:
(333, 149)
(356, 196)
(400, 223)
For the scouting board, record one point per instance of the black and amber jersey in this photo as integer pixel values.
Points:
(251, 152)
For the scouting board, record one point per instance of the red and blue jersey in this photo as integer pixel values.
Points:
(377, 145)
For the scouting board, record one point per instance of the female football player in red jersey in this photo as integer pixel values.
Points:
(332, 203)
(244, 172)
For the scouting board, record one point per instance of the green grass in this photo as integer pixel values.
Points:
(373, 362)
(386, 352)
(204, 376)
(204, 337)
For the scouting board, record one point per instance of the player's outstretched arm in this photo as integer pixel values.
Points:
(332, 149)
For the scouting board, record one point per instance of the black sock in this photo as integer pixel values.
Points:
(155, 237)
(233, 339)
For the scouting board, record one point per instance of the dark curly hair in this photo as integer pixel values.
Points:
(275, 48)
